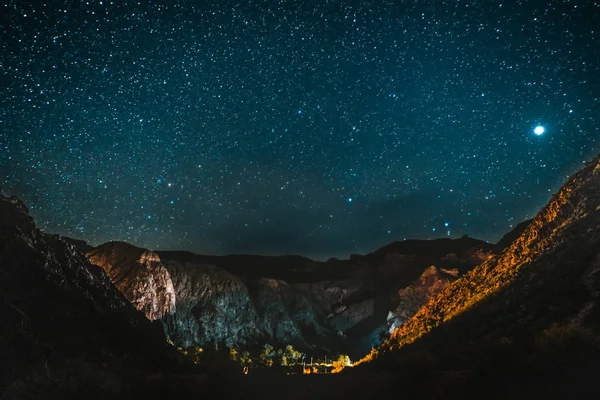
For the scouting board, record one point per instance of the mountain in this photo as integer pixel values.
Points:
(529, 315)
(67, 332)
(203, 304)
(511, 236)
(139, 275)
(462, 311)
(248, 300)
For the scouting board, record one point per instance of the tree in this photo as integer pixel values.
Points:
(267, 355)
(245, 359)
(293, 356)
(283, 359)
(342, 361)
(289, 356)
(233, 354)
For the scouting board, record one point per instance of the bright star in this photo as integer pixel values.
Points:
(539, 130)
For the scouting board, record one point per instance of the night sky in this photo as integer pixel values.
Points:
(320, 128)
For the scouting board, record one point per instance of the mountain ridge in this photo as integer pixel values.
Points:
(335, 305)
(528, 313)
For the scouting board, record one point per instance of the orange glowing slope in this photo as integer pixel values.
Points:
(558, 254)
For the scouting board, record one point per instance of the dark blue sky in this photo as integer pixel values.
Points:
(322, 128)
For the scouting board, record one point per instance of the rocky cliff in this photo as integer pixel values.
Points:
(413, 297)
(217, 307)
(339, 305)
(139, 275)
(203, 305)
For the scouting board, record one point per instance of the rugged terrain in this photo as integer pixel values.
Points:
(515, 320)
(65, 330)
(529, 316)
(139, 275)
(71, 327)
(323, 307)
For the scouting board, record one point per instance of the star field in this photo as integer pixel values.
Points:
(320, 128)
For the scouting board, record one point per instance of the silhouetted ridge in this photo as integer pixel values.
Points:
(435, 248)
(511, 236)
(64, 328)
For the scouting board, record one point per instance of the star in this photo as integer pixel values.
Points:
(365, 132)
(539, 130)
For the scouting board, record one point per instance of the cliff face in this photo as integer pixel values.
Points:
(214, 306)
(139, 275)
(202, 305)
(340, 305)
(62, 322)
(287, 315)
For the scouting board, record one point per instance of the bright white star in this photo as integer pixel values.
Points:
(539, 130)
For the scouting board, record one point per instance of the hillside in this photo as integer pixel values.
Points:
(531, 309)
(67, 332)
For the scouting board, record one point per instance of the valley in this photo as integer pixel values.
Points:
(443, 318)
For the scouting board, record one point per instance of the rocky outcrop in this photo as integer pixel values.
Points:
(413, 297)
(217, 307)
(58, 262)
(203, 305)
(213, 306)
(139, 275)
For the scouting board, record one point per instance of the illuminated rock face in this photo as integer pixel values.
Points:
(212, 306)
(413, 297)
(217, 307)
(548, 274)
(139, 275)
(203, 305)
(342, 305)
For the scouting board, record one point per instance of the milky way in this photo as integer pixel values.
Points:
(321, 128)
